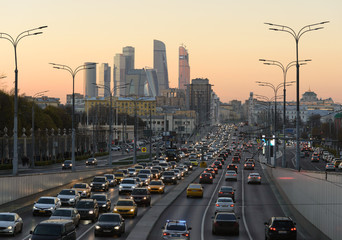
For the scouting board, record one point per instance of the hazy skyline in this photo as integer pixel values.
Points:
(224, 38)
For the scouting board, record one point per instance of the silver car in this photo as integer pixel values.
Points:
(230, 175)
(224, 204)
(67, 214)
(329, 167)
(176, 229)
(46, 206)
(254, 178)
(10, 224)
(69, 197)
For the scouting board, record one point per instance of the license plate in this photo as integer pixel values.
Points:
(224, 205)
(175, 235)
(42, 211)
(106, 230)
(282, 232)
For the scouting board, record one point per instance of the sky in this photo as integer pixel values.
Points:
(225, 40)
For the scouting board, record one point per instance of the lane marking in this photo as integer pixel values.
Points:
(84, 233)
(243, 206)
(26, 237)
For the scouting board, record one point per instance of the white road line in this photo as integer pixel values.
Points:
(243, 207)
(26, 237)
(84, 233)
(206, 209)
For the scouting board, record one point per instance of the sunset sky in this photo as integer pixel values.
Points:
(224, 38)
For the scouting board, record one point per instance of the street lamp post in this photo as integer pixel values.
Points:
(15, 42)
(297, 36)
(73, 74)
(275, 90)
(32, 135)
(284, 69)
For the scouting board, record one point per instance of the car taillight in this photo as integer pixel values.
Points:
(232, 192)
(259, 177)
(200, 176)
(166, 233)
(245, 165)
(185, 234)
(252, 165)
(211, 177)
(249, 176)
(231, 205)
(272, 229)
(220, 192)
(234, 174)
(217, 205)
(293, 229)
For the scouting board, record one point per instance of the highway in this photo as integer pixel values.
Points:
(255, 204)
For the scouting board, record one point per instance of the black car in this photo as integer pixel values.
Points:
(221, 159)
(103, 201)
(169, 177)
(227, 191)
(91, 161)
(88, 209)
(280, 228)
(218, 164)
(111, 179)
(189, 165)
(235, 159)
(54, 230)
(99, 183)
(67, 164)
(232, 167)
(110, 224)
(141, 196)
(206, 178)
(225, 223)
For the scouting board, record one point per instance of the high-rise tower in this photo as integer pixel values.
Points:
(184, 68)
(160, 64)
(119, 74)
(128, 52)
(104, 80)
(90, 81)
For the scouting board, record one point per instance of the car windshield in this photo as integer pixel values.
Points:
(163, 164)
(85, 204)
(99, 197)
(6, 218)
(169, 173)
(79, 186)
(46, 201)
(99, 180)
(67, 192)
(230, 172)
(254, 175)
(67, 162)
(143, 176)
(62, 213)
(224, 200)
(131, 169)
(90, 159)
(282, 224)
(109, 218)
(109, 176)
(125, 203)
(128, 181)
(176, 227)
(145, 171)
(195, 186)
(225, 217)
(139, 192)
(156, 183)
(48, 230)
(118, 174)
(226, 189)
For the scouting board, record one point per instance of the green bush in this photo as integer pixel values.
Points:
(5, 166)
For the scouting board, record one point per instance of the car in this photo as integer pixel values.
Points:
(126, 207)
(314, 158)
(206, 178)
(131, 172)
(194, 162)
(67, 214)
(225, 223)
(111, 179)
(176, 229)
(169, 177)
(83, 189)
(235, 159)
(138, 168)
(210, 170)
(218, 164)
(230, 175)
(119, 176)
(213, 166)
(189, 165)
(248, 166)
(88, 209)
(127, 185)
(54, 229)
(91, 161)
(10, 223)
(280, 228)
(254, 178)
(103, 201)
(330, 167)
(224, 204)
(115, 148)
(67, 164)
(155, 173)
(69, 197)
(178, 173)
(141, 196)
(221, 159)
(164, 166)
(145, 178)
(227, 191)
(110, 224)
(99, 183)
(46, 206)
(139, 181)
(302, 154)
(156, 186)
(232, 167)
(194, 190)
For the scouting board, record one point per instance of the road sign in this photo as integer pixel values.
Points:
(143, 149)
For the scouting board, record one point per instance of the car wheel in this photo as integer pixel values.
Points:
(14, 231)
(21, 228)
(213, 231)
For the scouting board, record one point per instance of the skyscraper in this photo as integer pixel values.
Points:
(160, 64)
(184, 68)
(89, 81)
(128, 52)
(119, 74)
(104, 79)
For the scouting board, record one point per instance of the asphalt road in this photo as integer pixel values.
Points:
(255, 204)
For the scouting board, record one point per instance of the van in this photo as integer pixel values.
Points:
(54, 229)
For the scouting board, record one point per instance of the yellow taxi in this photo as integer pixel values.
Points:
(126, 207)
(83, 189)
(194, 162)
(156, 186)
(138, 168)
(119, 176)
(194, 190)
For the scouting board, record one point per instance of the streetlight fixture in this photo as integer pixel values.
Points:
(73, 74)
(27, 33)
(284, 69)
(275, 90)
(35, 96)
(297, 36)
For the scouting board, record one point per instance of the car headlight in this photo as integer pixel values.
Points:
(173, 177)
(34, 207)
(104, 205)
(72, 200)
(91, 212)
(115, 209)
(9, 227)
(162, 178)
(50, 208)
(160, 187)
(91, 184)
(84, 192)
(149, 187)
(63, 165)
(132, 210)
(120, 186)
(70, 164)
(97, 227)
(144, 198)
(103, 184)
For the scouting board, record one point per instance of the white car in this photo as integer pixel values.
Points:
(224, 204)
(230, 176)
(46, 206)
(127, 185)
(254, 178)
(329, 167)
(10, 224)
(69, 197)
